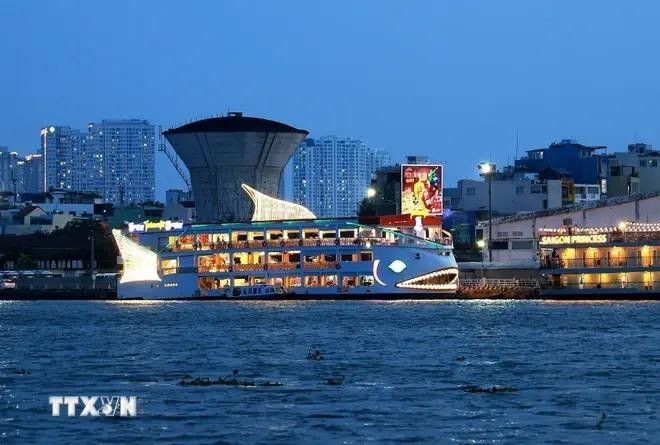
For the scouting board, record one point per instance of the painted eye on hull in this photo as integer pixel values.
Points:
(397, 266)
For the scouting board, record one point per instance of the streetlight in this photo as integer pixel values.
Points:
(371, 194)
(487, 170)
(481, 244)
(91, 261)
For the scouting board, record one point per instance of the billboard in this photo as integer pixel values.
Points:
(421, 189)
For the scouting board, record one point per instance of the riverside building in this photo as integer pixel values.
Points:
(622, 259)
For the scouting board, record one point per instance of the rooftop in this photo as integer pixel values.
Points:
(582, 206)
(234, 122)
(568, 143)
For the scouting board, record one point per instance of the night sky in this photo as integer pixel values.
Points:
(453, 80)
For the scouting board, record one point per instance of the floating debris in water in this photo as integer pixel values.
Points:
(335, 381)
(495, 389)
(460, 359)
(314, 355)
(233, 381)
(19, 371)
(205, 381)
(601, 419)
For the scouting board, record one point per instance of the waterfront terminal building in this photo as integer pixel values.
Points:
(624, 259)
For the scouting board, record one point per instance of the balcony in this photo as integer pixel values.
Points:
(595, 263)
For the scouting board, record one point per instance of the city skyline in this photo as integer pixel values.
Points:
(288, 192)
(455, 82)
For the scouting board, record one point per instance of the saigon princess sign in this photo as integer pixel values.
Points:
(599, 238)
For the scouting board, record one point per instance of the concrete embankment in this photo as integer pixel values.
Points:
(61, 288)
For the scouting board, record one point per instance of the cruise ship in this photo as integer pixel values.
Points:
(285, 252)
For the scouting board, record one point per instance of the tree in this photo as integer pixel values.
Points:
(367, 207)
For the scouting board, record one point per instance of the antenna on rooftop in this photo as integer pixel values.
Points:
(516, 145)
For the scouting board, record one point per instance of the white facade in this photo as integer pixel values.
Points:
(114, 159)
(587, 193)
(634, 171)
(331, 175)
(511, 195)
(515, 238)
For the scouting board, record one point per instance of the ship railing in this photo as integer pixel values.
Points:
(491, 283)
(307, 242)
(321, 265)
(632, 237)
(247, 267)
(283, 266)
(212, 269)
(630, 261)
(631, 285)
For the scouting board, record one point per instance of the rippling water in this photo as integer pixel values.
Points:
(570, 362)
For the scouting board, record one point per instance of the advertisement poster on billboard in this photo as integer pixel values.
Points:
(421, 189)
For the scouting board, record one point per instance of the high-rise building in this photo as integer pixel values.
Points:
(8, 173)
(331, 175)
(31, 174)
(118, 159)
(59, 146)
(114, 159)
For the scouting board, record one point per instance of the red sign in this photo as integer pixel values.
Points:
(396, 221)
(421, 189)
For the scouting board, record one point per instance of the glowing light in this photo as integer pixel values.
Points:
(397, 266)
(371, 192)
(573, 239)
(486, 168)
(481, 244)
(140, 263)
(267, 208)
(52, 129)
(375, 273)
(432, 281)
(160, 225)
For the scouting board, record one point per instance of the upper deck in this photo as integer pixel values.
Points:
(165, 238)
(625, 234)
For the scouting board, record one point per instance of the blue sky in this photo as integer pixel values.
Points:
(451, 80)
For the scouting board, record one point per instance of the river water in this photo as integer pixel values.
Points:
(582, 372)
